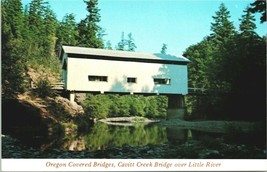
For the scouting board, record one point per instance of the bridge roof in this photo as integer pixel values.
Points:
(83, 52)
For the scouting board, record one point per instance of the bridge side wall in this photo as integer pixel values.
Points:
(118, 72)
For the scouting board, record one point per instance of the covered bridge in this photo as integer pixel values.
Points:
(108, 71)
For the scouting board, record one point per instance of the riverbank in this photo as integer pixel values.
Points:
(28, 116)
(192, 149)
(128, 121)
(209, 126)
(33, 116)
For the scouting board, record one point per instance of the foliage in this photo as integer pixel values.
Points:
(227, 62)
(103, 106)
(43, 88)
(163, 49)
(66, 32)
(126, 44)
(28, 39)
(247, 25)
(89, 32)
(222, 28)
(96, 106)
(13, 58)
(130, 43)
(121, 45)
(259, 6)
(108, 45)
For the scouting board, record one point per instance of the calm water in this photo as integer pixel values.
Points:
(138, 141)
(103, 136)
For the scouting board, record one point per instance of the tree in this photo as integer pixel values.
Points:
(42, 29)
(228, 65)
(49, 32)
(13, 16)
(200, 56)
(66, 32)
(90, 33)
(163, 49)
(247, 25)
(222, 28)
(222, 36)
(36, 18)
(122, 44)
(13, 65)
(126, 44)
(130, 43)
(259, 6)
(108, 45)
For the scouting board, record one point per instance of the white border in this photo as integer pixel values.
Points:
(133, 165)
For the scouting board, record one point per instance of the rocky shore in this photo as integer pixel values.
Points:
(12, 148)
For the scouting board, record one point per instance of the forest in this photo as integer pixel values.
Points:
(231, 61)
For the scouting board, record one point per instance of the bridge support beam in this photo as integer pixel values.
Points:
(176, 107)
(72, 96)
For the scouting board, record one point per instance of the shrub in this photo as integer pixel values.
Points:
(43, 88)
(103, 106)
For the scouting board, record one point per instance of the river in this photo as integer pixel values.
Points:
(137, 141)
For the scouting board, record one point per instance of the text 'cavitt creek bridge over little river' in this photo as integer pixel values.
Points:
(99, 71)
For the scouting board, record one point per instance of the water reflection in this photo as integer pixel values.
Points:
(103, 136)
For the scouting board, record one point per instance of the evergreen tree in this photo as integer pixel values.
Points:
(222, 28)
(108, 45)
(40, 34)
(126, 44)
(122, 44)
(26, 29)
(130, 43)
(90, 33)
(200, 56)
(66, 32)
(259, 6)
(222, 36)
(248, 61)
(13, 16)
(163, 49)
(42, 28)
(49, 32)
(247, 25)
(12, 48)
(36, 18)
(228, 64)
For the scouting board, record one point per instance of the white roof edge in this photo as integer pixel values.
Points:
(118, 53)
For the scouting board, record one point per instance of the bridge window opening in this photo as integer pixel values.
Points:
(162, 81)
(98, 78)
(131, 80)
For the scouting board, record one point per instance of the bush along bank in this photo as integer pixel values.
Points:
(114, 105)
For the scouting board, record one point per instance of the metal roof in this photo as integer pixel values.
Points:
(83, 51)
